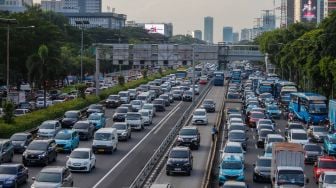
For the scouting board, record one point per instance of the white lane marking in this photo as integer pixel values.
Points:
(136, 146)
(255, 145)
(158, 128)
(167, 116)
(279, 130)
(253, 137)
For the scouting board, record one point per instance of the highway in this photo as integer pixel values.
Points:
(200, 156)
(121, 168)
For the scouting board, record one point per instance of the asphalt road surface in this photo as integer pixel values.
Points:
(200, 156)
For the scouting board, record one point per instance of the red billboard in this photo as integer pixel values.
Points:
(309, 10)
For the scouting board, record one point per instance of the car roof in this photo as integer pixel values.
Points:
(233, 144)
(82, 149)
(237, 131)
(190, 127)
(329, 173)
(22, 133)
(200, 109)
(58, 169)
(180, 148)
(73, 111)
(264, 157)
(50, 121)
(232, 158)
(298, 131)
(43, 140)
(66, 131)
(274, 136)
(83, 121)
(237, 183)
(327, 158)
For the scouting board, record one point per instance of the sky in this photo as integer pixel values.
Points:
(188, 15)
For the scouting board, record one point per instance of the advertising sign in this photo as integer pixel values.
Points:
(309, 11)
(155, 28)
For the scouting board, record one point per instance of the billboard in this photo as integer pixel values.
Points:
(309, 11)
(155, 28)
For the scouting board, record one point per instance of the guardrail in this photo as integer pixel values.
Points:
(209, 164)
(140, 180)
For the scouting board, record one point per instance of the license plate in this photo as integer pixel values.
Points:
(177, 169)
(101, 150)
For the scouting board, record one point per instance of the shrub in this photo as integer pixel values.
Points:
(121, 80)
(9, 112)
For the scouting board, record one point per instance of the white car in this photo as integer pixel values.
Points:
(327, 179)
(136, 105)
(40, 102)
(200, 116)
(146, 116)
(20, 112)
(298, 136)
(49, 128)
(150, 108)
(81, 159)
(233, 148)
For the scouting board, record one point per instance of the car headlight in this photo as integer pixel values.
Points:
(257, 171)
(68, 162)
(22, 144)
(186, 164)
(42, 155)
(85, 163)
(124, 133)
(194, 139)
(9, 181)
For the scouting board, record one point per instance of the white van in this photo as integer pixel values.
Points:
(146, 116)
(124, 97)
(105, 140)
(135, 120)
(144, 97)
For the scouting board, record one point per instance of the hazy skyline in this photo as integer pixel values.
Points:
(188, 15)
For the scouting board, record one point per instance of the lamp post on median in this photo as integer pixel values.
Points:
(82, 23)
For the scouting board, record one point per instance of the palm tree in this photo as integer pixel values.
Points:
(42, 67)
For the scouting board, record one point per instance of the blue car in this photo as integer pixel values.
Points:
(67, 140)
(231, 168)
(268, 150)
(12, 175)
(98, 120)
(329, 144)
(273, 111)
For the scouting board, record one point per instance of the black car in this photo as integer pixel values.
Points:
(261, 136)
(159, 105)
(187, 96)
(262, 169)
(209, 105)
(54, 94)
(70, 118)
(189, 136)
(165, 98)
(84, 129)
(313, 151)
(40, 152)
(20, 141)
(113, 101)
(180, 160)
(13, 175)
(6, 151)
(120, 114)
(94, 108)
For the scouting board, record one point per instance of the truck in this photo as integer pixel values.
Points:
(332, 114)
(287, 168)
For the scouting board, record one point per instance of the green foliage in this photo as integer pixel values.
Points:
(81, 90)
(121, 80)
(8, 110)
(144, 72)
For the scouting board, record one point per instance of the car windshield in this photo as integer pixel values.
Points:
(330, 179)
(113, 97)
(313, 148)
(233, 149)
(264, 162)
(208, 102)
(199, 113)
(19, 111)
(49, 177)
(296, 126)
(236, 165)
(327, 164)
(299, 136)
(188, 132)
(147, 107)
(268, 149)
(133, 116)
(144, 114)
(264, 133)
(47, 125)
(264, 126)
(268, 122)
(271, 140)
(236, 135)
(257, 115)
(63, 136)
(273, 108)
(37, 146)
(237, 127)
(94, 117)
(79, 155)
(71, 115)
(102, 136)
(177, 92)
(292, 177)
(122, 110)
(81, 126)
(136, 102)
(178, 154)
(332, 140)
(319, 129)
(95, 107)
(17, 137)
(123, 95)
(119, 126)
(157, 102)
(318, 108)
(8, 170)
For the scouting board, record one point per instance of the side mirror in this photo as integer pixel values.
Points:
(307, 180)
(273, 179)
(33, 178)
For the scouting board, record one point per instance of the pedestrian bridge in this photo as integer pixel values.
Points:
(239, 53)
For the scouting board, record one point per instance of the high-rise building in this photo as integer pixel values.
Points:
(329, 6)
(268, 21)
(227, 34)
(15, 5)
(52, 5)
(208, 29)
(290, 12)
(245, 34)
(72, 6)
(235, 37)
(197, 34)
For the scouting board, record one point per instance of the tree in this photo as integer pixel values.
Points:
(9, 112)
(121, 80)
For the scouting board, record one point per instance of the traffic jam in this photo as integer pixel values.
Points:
(278, 136)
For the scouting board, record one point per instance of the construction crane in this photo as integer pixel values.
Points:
(283, 11)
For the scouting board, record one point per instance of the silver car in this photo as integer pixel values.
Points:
(53, 176)
(49, 128)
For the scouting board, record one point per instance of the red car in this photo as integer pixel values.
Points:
(203, 80)
(254, 117)
(324, 164)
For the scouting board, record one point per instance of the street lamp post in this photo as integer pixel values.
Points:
(8, 22)
(82, 23)
(193, 75)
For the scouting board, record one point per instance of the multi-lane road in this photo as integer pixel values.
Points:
(122, 167)
(200, 156)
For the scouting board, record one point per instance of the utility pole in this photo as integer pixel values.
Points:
(193, 75)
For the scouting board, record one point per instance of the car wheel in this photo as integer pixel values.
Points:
(15, 184)
(25, 180)
(189, 173)
(55, 157)
(11, 157)
(89, 170)
(167, 173)
(46, 162)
